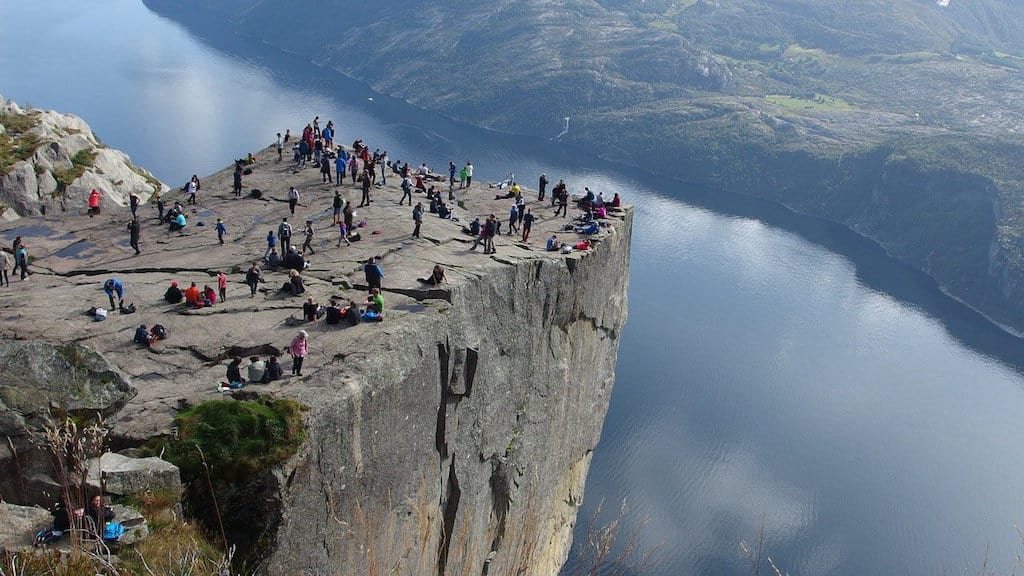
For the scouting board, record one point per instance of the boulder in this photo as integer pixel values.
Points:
(19, 525)
(123, 475)
(135, 526)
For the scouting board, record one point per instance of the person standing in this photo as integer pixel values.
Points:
(406, 191)
(325, 170)
(133, 233)
(339, 167)
(222, 285)
(383, 161)
(343, 233)
(353, 168)
(337, 204)
(417, 217)
(237, 181)
(469, 174)
(280, 147)
(299, 349)
(451, 173)
(527, 225)
(563, 203)
(307, 246)
(191, 188)
(252, 278)
(221, 231)
(114, 286)
(364, 181)
(21, 258)
(284, 232)
(513, 219)
(133, 203)
(490, 229)
(293, 199)
(541, 187)
(94, 202)
(159, 209)
(5, 266)
(271, 243)
(373, 273)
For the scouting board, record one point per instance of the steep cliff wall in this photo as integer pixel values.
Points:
(462, 447)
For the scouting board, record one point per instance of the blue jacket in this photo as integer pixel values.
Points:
(114, 285)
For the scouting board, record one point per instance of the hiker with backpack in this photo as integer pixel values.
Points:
(284, 232)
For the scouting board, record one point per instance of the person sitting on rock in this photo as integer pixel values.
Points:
(192, 295)
(256, 369)
(332, 315)
(310, 310)
(295, 284)
(142, 336)
(436, 277)
(173, 294)
(97, 512)
(209, 297)
(375, 301)
(352, 314)
(273, 370)
(616, 201)
(234, 373)
(274, 259)
(474, 228)
(293, 260)
(552, 244)
(61, 524)
(443, 210)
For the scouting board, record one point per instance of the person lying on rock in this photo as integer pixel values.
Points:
(173, 295)
(436, 277)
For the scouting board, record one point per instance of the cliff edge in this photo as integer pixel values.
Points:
(455, 436)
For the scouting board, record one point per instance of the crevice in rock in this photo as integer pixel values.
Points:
(450, 512)
(501, 500)
(440, 443)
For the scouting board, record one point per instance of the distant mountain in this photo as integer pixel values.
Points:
(903, 119)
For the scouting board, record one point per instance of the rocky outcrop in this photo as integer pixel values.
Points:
(124, 476)
(19, 525)
(51, 162)
(455, 436)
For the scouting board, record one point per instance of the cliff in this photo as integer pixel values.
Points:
(453, 436)
(51, 162)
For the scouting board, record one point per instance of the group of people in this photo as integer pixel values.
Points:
(258, 371)
(196, 298)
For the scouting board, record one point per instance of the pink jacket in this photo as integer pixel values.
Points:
(299, 347)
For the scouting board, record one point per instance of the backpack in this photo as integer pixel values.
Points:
(159, 331)
(113, 531)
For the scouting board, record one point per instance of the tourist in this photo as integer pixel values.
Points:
(179, 223)
(308, 231)
(141, 336)
(462, 178)
(352, 314)
(256, 368)
(114, 286)
(406, 191)
(21, 258)
(221, 231)
(373, 273)
(310, 310)
(375, 301)
(284, 232)
(274, 261)
(234, 373)
(280, 147)
(159, 208)
(353, 168)
(271, 243)
(209, 297)
(340, 161)
(237, 178)
(513, 219)
(325, 170)
(94, 202)
(541, 187)
(296, 285)
(173, 294)
(337, 204)
(343, 233)
(253, 277)
(364, 181)
(552, 244)
(133, 233)
(563, 203)
(436, 277)
(527, 225)
(332, 315)
(490, 230)
(192, 295)
(273, 371)
(293, 199)
(133, 203)
(299, 349)
(469, 174)
(222, 285)
(5, 266)
(417, 218)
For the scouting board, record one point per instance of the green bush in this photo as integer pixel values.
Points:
(237, 438)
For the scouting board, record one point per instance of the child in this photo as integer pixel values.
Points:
(221, 230)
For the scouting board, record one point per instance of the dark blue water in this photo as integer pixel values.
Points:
(777, 373)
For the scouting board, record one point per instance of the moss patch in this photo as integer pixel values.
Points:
(237, 438)
(15, 143)
(80, 162)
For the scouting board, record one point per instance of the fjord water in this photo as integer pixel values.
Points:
(776, 372)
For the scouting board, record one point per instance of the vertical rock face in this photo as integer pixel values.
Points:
(463, 447)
